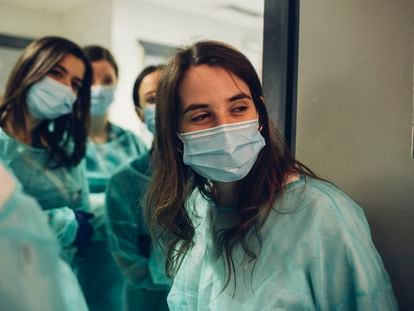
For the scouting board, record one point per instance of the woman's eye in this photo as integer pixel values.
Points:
(239, 109)
(200, 117)
(151, 100)
(107, 81)
(56, 73)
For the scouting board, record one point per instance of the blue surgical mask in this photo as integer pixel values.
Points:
(149, 115)
(49, 99)
(224, 153)
(101, 99)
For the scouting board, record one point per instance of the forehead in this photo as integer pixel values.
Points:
(149, 83)
(203, 83)
(103, 67)
(73, 65)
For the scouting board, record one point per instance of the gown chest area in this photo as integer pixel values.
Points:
(51, 187)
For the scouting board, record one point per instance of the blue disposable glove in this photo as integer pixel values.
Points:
(85, 229)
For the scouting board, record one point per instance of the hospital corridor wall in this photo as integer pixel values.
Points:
(354, 116)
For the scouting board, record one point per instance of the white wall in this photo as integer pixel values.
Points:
(28, 22)
(24, 22)
(88, 23)
(355, 99)
(119, 25)
(135, 20)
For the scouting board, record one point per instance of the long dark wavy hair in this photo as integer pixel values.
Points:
(173, 181)
(64, 137)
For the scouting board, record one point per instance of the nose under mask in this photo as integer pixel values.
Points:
(101, 99)
(224, 153)
(49, 99)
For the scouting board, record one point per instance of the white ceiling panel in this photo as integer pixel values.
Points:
(243, 13)
(49, 5)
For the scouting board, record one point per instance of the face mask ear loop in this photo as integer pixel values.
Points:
(179, 137)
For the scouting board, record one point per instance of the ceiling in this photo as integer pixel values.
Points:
(244, 13)
(50, 5)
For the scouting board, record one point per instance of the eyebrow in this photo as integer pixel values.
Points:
(196, 106)
(60, 67)
(238, 96)
(65, 71)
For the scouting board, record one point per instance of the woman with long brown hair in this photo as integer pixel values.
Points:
(109, 147)
(44, 117)
(245, 225)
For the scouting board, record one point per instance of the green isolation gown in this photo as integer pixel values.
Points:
(316, 254)
(59, 191)
(142, 262)
(33, 276)
(97, 272)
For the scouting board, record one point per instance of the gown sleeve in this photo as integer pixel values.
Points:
(315, 253)
(102, 161)
(140, 260)
(63, 220)
(346, 271)
(34, 277)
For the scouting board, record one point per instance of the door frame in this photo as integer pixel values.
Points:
(280, 65)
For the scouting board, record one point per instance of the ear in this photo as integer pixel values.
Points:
(262, 99)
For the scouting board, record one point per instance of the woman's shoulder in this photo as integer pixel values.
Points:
(307, 191)
(4, 137)
(116, 129)
(118, 132)
(321, 204)
(132, 173)
(12, 150)
(2, 133)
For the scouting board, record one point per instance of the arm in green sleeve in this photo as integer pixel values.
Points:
(124, 232)
(63, 223)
